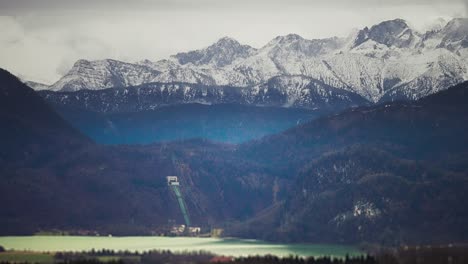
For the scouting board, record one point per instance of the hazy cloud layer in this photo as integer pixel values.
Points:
(52, 5)
(41, 39)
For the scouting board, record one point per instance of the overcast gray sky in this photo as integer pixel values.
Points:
(41, 39)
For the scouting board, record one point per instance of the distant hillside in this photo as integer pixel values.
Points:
(55, 178)
(390, 173)
(29, 125)
(428, 128)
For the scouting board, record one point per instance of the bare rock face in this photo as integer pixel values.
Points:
(392, 33)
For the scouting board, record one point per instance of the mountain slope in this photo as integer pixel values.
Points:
(30, 125)
(103, 74)
(292, 91)
(222, 53)
(152, 112)
(412, 127)
(393, 173)
(392, 33)
(55, 178)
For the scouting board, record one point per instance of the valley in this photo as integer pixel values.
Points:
(229, 123)
(277, 188)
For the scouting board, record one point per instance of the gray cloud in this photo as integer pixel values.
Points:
(21, 6)
(465, 2)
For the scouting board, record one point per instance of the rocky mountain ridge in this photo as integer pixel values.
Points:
(282, 91)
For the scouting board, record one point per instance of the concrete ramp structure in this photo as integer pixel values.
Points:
(174, 184)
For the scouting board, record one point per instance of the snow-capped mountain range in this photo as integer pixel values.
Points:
(385, 62)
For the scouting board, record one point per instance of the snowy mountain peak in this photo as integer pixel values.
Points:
(103, 74)
(455, 34)
(436, 25)
(288, 38)
(285, 40)
(145, 62)
(227, 41)
(80, 63)
(295, 45)
(223, 52)
(391, 33)
(161, 65)
(457, 23)
(394, 27)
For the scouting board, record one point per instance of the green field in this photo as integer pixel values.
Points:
(227, 247)
(48, 258)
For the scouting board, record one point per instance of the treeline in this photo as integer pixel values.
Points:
(147, 257)
(451, 254)
(111, 252)
(95, 253)
(311, 260)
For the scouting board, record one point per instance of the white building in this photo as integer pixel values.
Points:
(172, 180)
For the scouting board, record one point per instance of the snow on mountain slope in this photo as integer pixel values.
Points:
(439, 70)
(284, 55)
(95, 75)
(455, 34)
(285, 91)
(303, 92)
(37, 86)
(187, 75)
(387, 61)
(361, 73)
(294, 44)
(161, 65)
